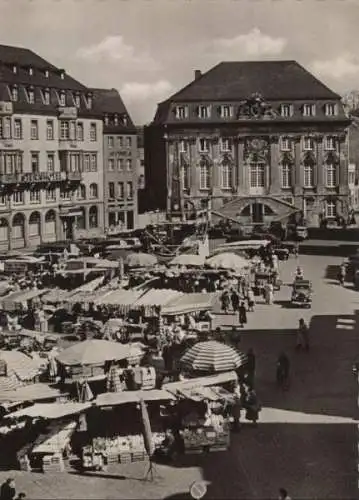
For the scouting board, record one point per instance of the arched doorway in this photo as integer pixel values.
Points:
(18, 230)
(4, 233)
(35, 228)
(93, 217)
(49, 233)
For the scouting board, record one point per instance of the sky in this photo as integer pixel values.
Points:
(148, 49)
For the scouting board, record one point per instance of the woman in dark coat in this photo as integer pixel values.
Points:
(235, 301)
(242, 315)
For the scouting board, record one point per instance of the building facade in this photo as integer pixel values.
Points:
(120, 162)
(254, 141)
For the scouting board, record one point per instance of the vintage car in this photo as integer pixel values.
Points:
(261, 279)
(302, 293)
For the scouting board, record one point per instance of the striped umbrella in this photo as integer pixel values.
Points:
(213, 357)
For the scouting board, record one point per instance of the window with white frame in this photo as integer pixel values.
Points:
(17, 128)
(89, 102)
(35, 195)
(65, 193)
(226, 111)
(181, 112)
(120, 141)
(121, 190)
(257, 176)
(329, 143)
(94, 162)
(111, 164)
(330, 209)
(285, 144)
(51, 194)
(286, 170)
(14, 94)
(120, 164)
(183, 146)
(185, 177)
(129, 190)
(204, 112)
(81, 192)
(31, 96)
(93, 190)
(308, 175)
(308, 144)
(64, 130)
(204, 177)
(226, 176)
(331, 109)
(18, 197)
(35, 163)
(286, 110)
(225, 144)
(330, 175)
(46, 97)
(72, 131)
(128, 142)
(203, 146)
(50, 130)
(308, 109)
(7, 128)
(77, 100)
(87, 163)
(50, 164)
(351, 178)
(34, 130)
(110, 141)
(93, 132)
(80, 131)
(62, 99)
(128, 165)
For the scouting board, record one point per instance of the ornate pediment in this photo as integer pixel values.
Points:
(205, 160)
(256, 149)
(308, 157)
(255, 108)
(332, 157)
(226, 159)
(287, 157)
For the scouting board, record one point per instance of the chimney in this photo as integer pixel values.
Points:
(197, 74)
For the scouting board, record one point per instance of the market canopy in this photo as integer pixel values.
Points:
(55, 296)
(157, 298)
(190, 260)
(32, 392)
(50, 411)
(120, 297)
(190, 302)
(10, 302)
(140, 260)
(228, 260)
(209, 381)
(212, 356)
(94, 352)
(124, 397)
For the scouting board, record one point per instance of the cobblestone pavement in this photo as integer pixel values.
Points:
(306, 437)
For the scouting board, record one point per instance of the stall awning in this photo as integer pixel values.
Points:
(120, 398)
(206, 393)
(120, 298)
(94, 352)
(211, 380)
(190, 302)
(10, 302)
(157, 297)
(33, 392)
(50, 411)
(17, 362)
(55, 296)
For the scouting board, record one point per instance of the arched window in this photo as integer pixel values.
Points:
(18, 225)
(93, 217)
(286, 175)
(50, 222)
(81, 219)
(81, 192)
(308, 175)
(4, 230)
(34, 224)
(93, 191)
(226, 176)
(331, 180)
(204, 177)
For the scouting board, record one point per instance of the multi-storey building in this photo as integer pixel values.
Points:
(255, 141)
(51, 178)
(120, 161)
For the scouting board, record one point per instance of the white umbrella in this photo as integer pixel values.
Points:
(228, 261)
(190, 260)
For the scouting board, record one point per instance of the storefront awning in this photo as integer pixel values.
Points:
(211, 380)
(50, 411)
(190, 302)
(33, 392)
(125, 397)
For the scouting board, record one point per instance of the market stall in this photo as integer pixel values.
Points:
(22, 300)
(115, 427)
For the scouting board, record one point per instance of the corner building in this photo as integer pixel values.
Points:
(51, 161)
(254, 141)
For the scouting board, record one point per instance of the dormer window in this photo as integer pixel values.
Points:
(31, 71)
(308, 144)
(62, 75)
(330, 143)
(125, 120)
(14, 69)
(62, 99)
(286, 110)
(204, 112)
(309, 110)
(226, 111)
(77, 100)
(225, 145)
(14, 94)
(89, 101)
(31, 96)
(46, 96)
(181, 112)
(331, 109)
(46, 73)
(115, 120)
(106, 120)
(285, 144)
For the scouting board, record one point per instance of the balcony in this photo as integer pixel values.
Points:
(68, 145)
(71, 176)
(30, 178)
(67, 113)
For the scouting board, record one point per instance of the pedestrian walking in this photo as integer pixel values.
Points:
(8, 489)
(242, 316)
(296, 249)
(252, 406)
(235, 301)
(250, 367)
(342, 274)
(283, 494)
(302, 336)
(250, 300)
(225, 300)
